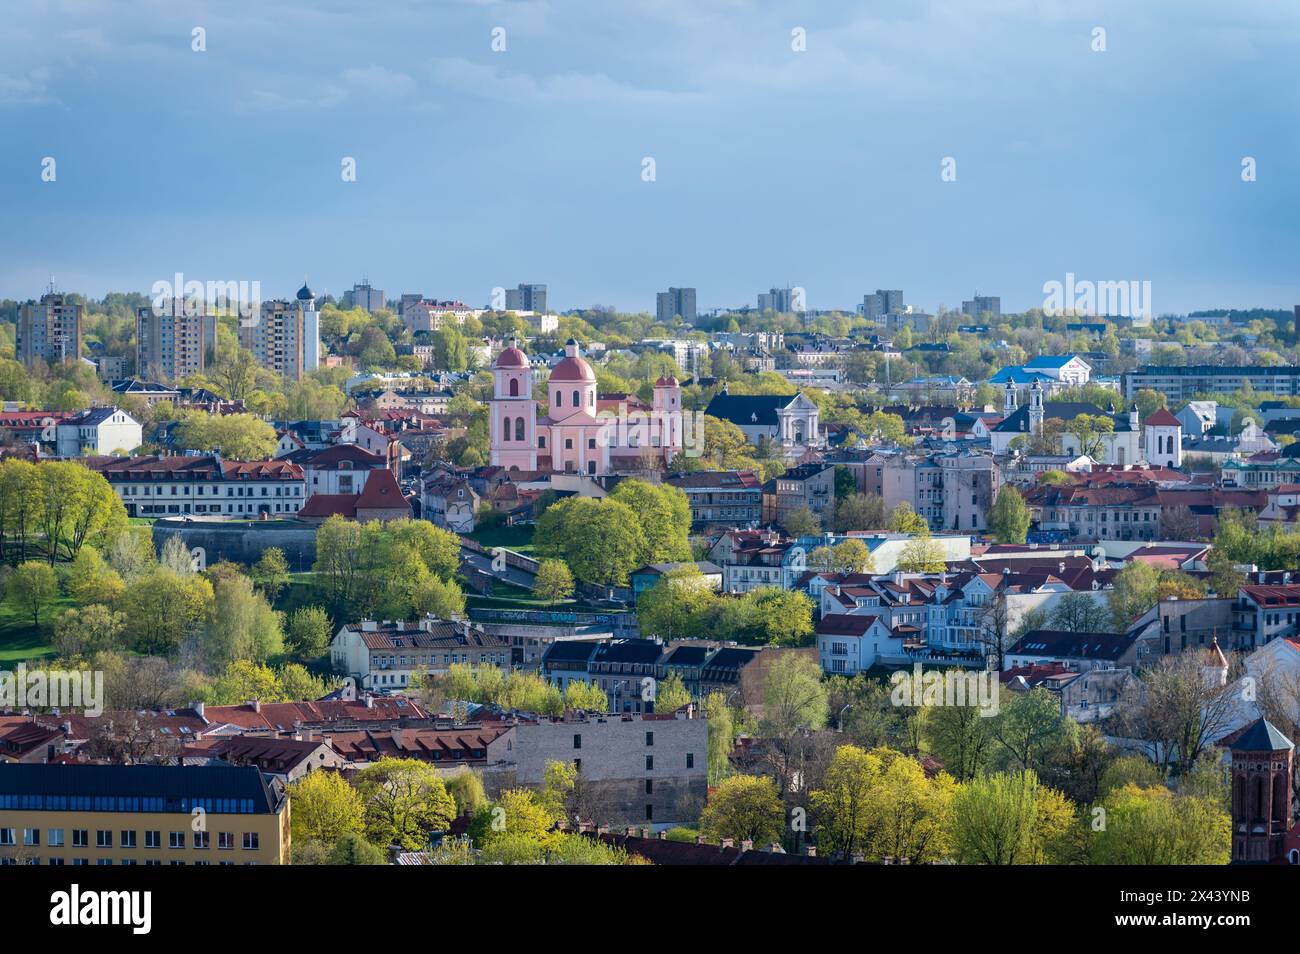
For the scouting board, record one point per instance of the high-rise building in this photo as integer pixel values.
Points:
(526, 298)
(980, 305)
(286, 336)
(175, 340)
(675, 301)
(780, 300)
(884, 302)
(364, 296)
(49, 330)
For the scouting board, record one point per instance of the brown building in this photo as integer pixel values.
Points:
(1261, 793)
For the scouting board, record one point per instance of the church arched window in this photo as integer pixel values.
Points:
(505, 429)
(559, 398)
(577, 399)
(519, 428)
(514, 387)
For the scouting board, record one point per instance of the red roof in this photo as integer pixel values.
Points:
(381, 493)
(1162, 418)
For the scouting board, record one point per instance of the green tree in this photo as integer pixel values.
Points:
(405, 801)
(353, 849)
(162, 608)
(743, 808)
(82, 632)
(554, 582)
(308, 633)
(671, 693)
(600, 540)
(922, 555)
(1009, 518)
(323, 807)
(271, 572)
(1078, 612)
(32, 587)
(1152, 826)
(905, 519)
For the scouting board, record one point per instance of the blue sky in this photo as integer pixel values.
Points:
(819, 168)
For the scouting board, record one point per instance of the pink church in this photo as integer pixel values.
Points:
(584, 432)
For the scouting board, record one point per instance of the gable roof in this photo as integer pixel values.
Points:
(748, 409)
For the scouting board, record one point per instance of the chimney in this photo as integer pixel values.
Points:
(663, 835)
(699, 839)
(810, 851)
(775, 848)
(67, 727)
(254, 704)
(747, 845)
(645, 831)
(726, 843)
(370, 701)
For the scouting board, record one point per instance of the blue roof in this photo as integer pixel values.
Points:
(1019, 375)
(1051, 361)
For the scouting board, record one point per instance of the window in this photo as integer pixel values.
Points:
(250, 841)
(649, 763)
(56, 837)
(649, 738)
(128, 839)
(577, 741)
(649, 812)
(577, 399)
(225, 840)
(31, 837)
(103, 838)
(80, 838)
(153, 839)
(690, 760)
(514, 387)
(519, 428)
(649, 786)
(176, 839)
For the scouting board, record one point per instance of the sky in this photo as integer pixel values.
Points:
(818, 168)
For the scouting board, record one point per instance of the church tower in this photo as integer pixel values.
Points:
(514, 412)
(1036, 409)
(1261, 793)
(667, 415)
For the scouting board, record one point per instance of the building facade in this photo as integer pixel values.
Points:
(49, 331)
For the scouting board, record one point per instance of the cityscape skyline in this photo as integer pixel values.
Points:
(477, 169)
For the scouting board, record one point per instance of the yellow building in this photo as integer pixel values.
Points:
(141, 814)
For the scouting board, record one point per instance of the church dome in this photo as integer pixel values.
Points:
(573, 368)
(667, 382)
(304, 293)
(512, 357)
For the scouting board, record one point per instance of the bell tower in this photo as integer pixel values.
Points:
(513, 414)
(1261, 793)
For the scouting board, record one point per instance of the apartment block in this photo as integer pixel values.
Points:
(286, 336)
(49, 331)
(174, 341)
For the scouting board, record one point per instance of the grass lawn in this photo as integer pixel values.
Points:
(19, 641)
(519, 539)
(529, 603)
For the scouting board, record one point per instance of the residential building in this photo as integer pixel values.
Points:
(849, 644)
(526, 298)
(386, 655)
(1078, 651)
(982, 305)
(808, 485)
(141, 814)
(203, 485)
(364, 296)
(644, 578)
(676, 302)
(1182, 382)
(1264, 613)
(285, 338)
(952, 491)
(49, 331)
(380, 499)
(731, 497)
(646, 768)
(780, 300)
(98, 430)
(882, 303)
(175, 341)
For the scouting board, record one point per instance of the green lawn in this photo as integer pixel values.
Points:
(19, 641)
(519, 539)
